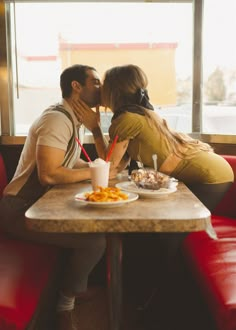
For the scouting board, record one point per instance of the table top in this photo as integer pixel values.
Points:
(58, 211)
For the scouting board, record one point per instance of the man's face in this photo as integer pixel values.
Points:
(91, 92)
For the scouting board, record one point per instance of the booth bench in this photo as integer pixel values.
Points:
(27, 269)
(212, 263)
(27, 273)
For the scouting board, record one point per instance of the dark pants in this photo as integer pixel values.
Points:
(173, 292)
(85, 249)
(210, 194)
(169, 304)
(170, 243)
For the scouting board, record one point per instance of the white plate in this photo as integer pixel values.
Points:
(81, 199)
(131, 187)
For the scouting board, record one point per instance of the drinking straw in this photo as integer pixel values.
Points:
(111, 149)
(84, 151)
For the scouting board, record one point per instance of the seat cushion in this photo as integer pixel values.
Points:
(225, 227)
(213, 265)
(213, 262)
(25, 270)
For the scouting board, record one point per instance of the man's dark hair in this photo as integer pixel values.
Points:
(77, 72)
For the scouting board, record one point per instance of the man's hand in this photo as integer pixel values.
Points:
(85, 114)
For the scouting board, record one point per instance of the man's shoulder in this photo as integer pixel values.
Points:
(52, 120)
(57, 112)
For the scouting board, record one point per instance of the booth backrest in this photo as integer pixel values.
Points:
(227, 206)
(27, 277)
(3, 175)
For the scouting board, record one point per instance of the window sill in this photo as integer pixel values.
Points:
(18, 140)
(209, 138)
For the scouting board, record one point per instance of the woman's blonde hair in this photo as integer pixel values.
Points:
(120, 87)
(180, 144)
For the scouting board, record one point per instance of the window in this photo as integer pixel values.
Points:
(43, 38)
(219, 67)
(156, 36)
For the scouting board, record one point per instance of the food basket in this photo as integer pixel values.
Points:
(150, 179)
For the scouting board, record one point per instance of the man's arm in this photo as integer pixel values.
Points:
(80, 163)
(50, 170)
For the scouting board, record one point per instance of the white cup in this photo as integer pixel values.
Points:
(99, 174)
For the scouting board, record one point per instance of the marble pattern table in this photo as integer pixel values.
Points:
(57, 211)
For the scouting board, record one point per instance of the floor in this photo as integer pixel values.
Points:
(93, 315)
(146, 307)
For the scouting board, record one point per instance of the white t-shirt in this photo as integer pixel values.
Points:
(53, 129)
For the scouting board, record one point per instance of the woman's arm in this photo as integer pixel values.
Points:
(119, 158)
(91, 120)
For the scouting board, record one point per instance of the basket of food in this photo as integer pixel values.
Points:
(150, 179)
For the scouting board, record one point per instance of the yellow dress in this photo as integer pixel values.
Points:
(144, 141)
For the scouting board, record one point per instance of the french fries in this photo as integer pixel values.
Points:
(108, 194)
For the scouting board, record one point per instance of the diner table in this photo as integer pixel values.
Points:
(58, 211)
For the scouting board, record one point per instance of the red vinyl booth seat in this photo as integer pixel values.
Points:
(213, 262)
(25, 272)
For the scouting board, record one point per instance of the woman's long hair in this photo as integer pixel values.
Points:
(121, 87)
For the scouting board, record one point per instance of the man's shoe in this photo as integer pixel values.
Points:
(65, 320)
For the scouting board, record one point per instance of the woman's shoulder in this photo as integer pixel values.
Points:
(127, 125)
(127, 116)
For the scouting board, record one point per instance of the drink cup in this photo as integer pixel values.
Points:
(99, 173)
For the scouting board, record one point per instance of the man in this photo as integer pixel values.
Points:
(51, 156)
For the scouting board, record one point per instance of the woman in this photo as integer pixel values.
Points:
(143, 133)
